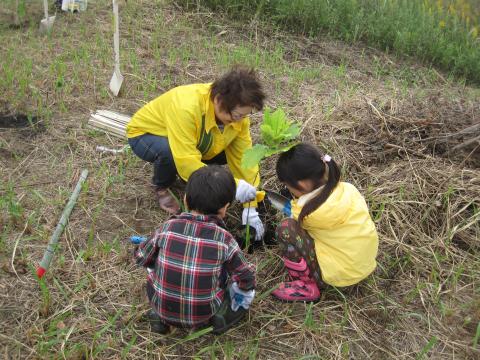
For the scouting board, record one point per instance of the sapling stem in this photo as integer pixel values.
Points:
(247, 231)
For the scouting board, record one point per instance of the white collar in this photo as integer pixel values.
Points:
(302, 200)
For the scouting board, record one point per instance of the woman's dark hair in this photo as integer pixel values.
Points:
(239, 87)
(209, 189)
(302, 162)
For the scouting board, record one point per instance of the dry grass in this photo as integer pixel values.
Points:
(388, 122)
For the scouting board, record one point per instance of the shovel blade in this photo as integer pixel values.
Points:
(279, 202)
(116, 82)
(47, 24)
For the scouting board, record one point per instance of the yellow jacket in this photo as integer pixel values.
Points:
(346, 242)
(186, 116)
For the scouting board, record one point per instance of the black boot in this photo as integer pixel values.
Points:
(225, 317)
(156, 324)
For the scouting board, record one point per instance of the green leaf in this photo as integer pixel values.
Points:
(197, 334)
(252, 156)
(277, 150)
(277, 129)
(277, 134)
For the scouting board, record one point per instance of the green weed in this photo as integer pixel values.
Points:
(407, 27)
(9, 202)
(97, 347)
(127, 348)
(431, 343)
(477, 336)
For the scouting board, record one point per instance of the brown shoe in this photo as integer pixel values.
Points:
(166, 200)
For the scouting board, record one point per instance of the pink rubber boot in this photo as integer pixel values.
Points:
(297, 271)
(302, 288)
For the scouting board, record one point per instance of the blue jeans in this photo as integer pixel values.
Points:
(156, 149)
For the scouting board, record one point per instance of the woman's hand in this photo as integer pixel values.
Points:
(245, 192)
(250, 217)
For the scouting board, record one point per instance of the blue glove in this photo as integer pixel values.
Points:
(287, 209)
(240, 297)
(137, 239)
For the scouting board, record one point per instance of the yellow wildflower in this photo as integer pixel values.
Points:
(474, 32)
(451, 9)
(439, 4)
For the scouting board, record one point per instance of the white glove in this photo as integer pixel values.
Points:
(250, 217)
(240, 297)
(245, 192)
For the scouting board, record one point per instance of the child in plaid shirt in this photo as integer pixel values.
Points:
(194, 259)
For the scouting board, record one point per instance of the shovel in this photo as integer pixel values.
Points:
(117, 77)
(47, 23)
(16, 19)
(279, 202)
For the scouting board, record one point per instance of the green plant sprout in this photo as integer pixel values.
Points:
(278, 134)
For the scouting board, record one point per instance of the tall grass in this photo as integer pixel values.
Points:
(441, 32)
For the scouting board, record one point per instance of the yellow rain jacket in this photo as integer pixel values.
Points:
(186, 116)
(346, 242)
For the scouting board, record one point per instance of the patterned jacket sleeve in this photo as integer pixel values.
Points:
(238, 267)
(147, 251)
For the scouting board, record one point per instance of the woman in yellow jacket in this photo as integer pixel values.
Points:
(331, 237)
(194, 125)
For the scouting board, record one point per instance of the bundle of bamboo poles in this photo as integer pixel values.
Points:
(110, 122)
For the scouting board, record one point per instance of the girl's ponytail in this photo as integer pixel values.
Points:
(317, 201)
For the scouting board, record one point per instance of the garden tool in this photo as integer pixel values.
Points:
(117, 77)
(16, 19)
(47, 23)
(279, 202)
(73, 5)
(104, 149)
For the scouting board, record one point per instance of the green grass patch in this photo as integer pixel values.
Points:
(428, 30)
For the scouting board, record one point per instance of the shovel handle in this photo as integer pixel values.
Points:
(116, 36)
(45, 8)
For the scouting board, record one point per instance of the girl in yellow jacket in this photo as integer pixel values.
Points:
(331, 237)
(194, 125)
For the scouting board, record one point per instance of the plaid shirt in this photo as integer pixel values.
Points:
(191, 257)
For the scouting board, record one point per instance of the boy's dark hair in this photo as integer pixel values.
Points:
(302, 162)
(239, 87)
(209, 189)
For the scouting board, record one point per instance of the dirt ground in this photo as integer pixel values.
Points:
(405, 134)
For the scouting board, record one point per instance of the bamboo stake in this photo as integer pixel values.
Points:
(115, 116)
(110, 122)
(100, 119)
(52, 244)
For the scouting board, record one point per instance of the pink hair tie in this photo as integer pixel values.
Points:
(326, 158)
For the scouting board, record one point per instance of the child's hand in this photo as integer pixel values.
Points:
(137, 239)
(240, 297)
